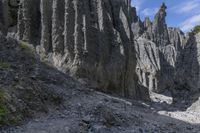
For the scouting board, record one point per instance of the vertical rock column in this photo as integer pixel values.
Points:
(26, 4)
(79, 34)
(106, 31)
(126, 35)
(161, 37)
(20, 23)
(90, 33)
(57, 26)
(46, 20)
(86, 25)
(1, 11)
(28, 24)
(69, 30)
(4, 16)
(105, 37)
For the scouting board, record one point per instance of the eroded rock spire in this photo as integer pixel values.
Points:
(160, 32)
(90, 39)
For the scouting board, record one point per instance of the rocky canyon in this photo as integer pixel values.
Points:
(93, 66)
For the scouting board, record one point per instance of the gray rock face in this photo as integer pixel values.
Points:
(189, 64)
(29, 26)
(46, 22)
(148, 63)
(166, 57)
(3, 16)
(160, 32)
(159, 52)
(8, 14)
(90, 39)
(137, 25)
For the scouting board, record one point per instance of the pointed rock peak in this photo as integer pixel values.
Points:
(134, 17)
(160, 16)
(163, 6)
(160, 30)
(147, 22)
(133, 13)
(146, 19)
(162, 11)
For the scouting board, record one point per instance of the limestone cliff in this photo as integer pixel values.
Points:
(189, 64)
(90, 39)
(106, 45)
(166, 57)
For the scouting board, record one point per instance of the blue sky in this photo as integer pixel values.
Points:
(184, 14)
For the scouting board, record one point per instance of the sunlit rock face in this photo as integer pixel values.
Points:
(167, 59)
(160, 50)
(90, 39)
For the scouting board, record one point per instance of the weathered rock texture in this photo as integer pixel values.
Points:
(90, 39)
(189, 64)
(8, 14)
(166, 57)
(100, 40)
(3, 16)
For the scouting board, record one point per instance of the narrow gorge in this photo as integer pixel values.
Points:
(97, 64)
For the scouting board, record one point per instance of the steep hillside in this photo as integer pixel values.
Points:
(46, 100)
(27, 86)
(82, 66)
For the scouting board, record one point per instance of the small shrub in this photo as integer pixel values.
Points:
(28, 49)
(5, 117)
(196, 30)
(4, 65)
(3, 110)
(2, 98)
(24, 45)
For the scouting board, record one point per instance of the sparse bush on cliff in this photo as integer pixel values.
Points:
(196, 30)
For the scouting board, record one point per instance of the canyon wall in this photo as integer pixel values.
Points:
(167, 59)
(106, 45)
(89, 39)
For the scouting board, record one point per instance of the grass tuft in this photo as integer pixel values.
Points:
(3, 110)
(4, 65)
(24, 45)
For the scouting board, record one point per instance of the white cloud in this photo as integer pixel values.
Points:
(187, 7)
(149, 11)
(137, 4)
(189, 23)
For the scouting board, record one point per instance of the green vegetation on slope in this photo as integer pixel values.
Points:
(4, 65)
(3, 109)
(196, 30)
